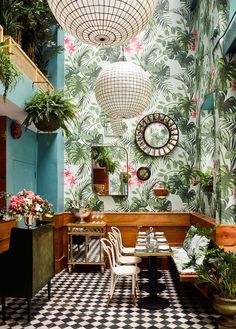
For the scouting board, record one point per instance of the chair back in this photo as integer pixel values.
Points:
(117, 232)
(109, 250)
(115, 241)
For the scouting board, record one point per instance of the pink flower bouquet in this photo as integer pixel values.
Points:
(27, 203)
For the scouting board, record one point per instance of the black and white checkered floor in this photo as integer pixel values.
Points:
(78, 301)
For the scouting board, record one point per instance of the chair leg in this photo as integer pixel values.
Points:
(29, 309)
(49, 289)
(136, 282)
(3, 309)
(133, 295)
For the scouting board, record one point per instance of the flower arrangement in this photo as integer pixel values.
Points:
(28, 203)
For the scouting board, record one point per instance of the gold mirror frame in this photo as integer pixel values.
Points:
(104, 179)
(146, 122)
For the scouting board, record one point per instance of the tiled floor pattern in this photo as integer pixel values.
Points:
(78, 301)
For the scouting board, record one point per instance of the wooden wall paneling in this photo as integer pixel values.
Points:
(203, 220)
(226, 236)
(60, 239)
(147, 219)
(5, 233)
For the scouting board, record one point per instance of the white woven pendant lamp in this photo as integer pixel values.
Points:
(123, 90)
(102, 22)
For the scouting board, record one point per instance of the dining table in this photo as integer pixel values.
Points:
(153, 246)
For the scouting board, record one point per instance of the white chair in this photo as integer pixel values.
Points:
(119, 270)
(121, 259)
(124, 250)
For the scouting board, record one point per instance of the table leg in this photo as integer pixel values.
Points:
(153, 302)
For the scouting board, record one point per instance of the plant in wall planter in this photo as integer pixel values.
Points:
(218, 272)
(205, 179)
(9, 74)
(50, 111)
(160, 190)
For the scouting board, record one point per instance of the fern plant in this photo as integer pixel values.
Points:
(9, 74)
(49, 111)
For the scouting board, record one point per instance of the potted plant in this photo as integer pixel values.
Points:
(49, 111)
(205, 179)
(9, 74)
(218, 272)
(103, 158)
(160, 190)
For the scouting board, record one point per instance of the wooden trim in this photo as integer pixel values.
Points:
(26, 65)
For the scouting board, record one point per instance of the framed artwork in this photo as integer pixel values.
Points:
(143, 173)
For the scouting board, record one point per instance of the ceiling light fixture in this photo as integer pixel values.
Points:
(102, 23)
(123, 90)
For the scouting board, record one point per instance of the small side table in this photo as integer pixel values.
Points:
(88, 253)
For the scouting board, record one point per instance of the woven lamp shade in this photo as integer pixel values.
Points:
(123, 90)
(102, 23)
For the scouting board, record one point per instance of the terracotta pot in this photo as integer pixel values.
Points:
(48, 125)
(161, 192)
(227, 308)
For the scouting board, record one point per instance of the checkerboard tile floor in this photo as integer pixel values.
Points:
(78, 301)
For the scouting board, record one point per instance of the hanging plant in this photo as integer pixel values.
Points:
(50, 111)
(30, 24)
(9, 74)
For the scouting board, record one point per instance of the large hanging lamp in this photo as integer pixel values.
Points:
(102, 22)
(123, 90)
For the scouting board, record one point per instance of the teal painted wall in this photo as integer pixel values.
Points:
(50, 169)
(232, 8)
(23, 91)
(56, 65)
(21, 161)
(22, 166)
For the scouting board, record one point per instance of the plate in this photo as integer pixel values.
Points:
(164, 247)
(141, 240)
(161, 240)
(159, 233)
(140, 248)
(142, 233)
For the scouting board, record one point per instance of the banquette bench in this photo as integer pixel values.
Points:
(174, 224)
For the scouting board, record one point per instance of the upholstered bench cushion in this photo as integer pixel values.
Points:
(192, 253)
(181, 259)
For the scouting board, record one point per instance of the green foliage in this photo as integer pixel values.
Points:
(44, 104)
(9, 74)
(103, 158)
(218, 271)
(205, 178)
(30, 23)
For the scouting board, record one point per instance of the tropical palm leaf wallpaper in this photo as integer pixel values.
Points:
(177, 51)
